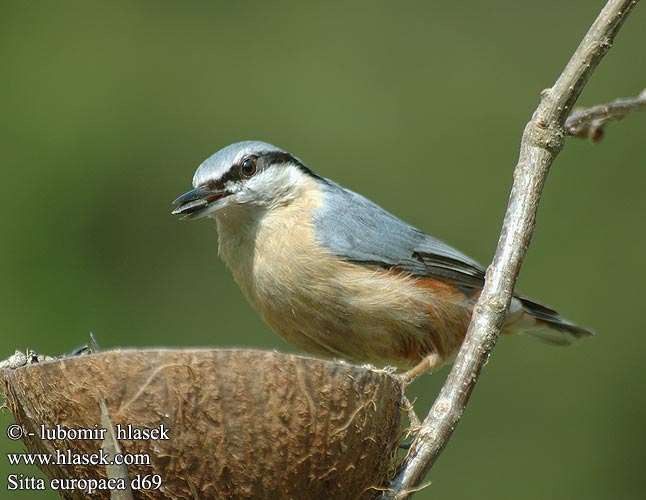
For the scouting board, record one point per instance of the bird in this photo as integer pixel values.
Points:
(340, 277)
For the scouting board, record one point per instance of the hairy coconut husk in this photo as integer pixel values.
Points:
(242, 424)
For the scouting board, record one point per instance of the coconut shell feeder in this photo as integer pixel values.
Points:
(240, 424)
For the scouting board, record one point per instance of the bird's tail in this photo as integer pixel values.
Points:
(529, 318)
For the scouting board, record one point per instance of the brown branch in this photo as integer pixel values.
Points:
(542, 140)
(590, 122)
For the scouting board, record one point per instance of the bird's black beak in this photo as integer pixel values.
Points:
(198, 202)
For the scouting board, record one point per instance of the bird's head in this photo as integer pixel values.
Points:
(250, 174)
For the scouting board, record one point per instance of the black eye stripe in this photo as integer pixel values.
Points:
(262, 160)
(277, 157)
(233, 174)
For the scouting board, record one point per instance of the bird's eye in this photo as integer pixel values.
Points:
(248, 167)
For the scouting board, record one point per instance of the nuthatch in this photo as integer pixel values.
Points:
(337, 275)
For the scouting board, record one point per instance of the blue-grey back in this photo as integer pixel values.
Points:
(358, 230)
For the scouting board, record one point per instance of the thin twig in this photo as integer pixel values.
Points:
(542, 140)
(590, 122)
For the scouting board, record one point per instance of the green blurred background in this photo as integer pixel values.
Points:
(108, 107)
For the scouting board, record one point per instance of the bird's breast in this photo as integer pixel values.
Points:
(324, 304)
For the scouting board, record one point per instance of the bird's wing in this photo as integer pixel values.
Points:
(357, 230)
(445, 262)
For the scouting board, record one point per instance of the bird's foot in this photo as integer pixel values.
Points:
(429, 363)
